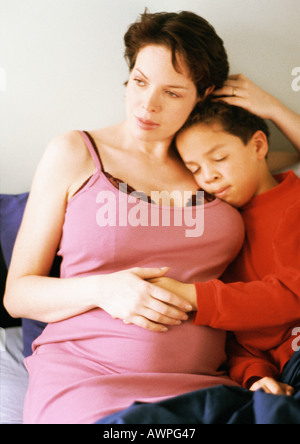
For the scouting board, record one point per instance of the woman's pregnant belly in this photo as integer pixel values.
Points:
(119, 348)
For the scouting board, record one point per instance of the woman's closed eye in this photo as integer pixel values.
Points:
(139, 82)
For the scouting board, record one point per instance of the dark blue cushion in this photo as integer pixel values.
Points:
(31, 330)
(11, 213)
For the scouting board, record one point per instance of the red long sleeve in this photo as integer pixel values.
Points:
(259, 296)
(244, 365)
(272, 301)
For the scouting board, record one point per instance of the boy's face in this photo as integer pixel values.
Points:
(221, 164)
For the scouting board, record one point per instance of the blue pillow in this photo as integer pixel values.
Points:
(11, 213)
(31, 330)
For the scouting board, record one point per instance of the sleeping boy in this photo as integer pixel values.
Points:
(258, 298)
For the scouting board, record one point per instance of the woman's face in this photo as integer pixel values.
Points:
(159, 99)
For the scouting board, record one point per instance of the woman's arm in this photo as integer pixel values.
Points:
(240, 91)
(29, 292)
(32, 294)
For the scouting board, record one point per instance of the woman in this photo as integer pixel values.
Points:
(89, 362)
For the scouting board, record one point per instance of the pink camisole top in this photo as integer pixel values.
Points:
(108, 229)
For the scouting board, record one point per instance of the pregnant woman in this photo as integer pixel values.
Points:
(102, 200)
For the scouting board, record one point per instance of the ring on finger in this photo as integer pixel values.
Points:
(234, 92)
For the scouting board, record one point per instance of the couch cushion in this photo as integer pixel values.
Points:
(11, 213)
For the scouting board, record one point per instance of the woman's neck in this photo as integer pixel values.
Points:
(157, 150)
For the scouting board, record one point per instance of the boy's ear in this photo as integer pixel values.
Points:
(261, 145)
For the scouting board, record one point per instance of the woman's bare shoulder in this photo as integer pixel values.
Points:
(68, 146)
(67, 155)
(65, 164)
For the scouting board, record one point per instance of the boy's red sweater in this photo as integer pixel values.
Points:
(259, 296)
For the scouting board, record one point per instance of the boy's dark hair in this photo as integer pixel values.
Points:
(234, 120)
(185, 34)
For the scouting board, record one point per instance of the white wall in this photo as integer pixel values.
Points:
(64, 67)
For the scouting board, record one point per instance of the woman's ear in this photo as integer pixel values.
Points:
(208, 92)
(261, 145)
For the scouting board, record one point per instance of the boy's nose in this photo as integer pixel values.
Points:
(210, 176)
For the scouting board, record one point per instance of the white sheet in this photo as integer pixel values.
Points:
(13, 376)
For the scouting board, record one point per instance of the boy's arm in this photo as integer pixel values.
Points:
(246, 367)
(271, 302)
(254, 371)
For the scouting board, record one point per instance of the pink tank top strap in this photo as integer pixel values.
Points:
(90, 143)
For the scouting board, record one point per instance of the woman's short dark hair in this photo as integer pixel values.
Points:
(185, 34)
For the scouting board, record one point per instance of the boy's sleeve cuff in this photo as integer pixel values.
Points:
(259, 370)
(206, 303)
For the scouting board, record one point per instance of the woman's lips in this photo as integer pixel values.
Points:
(146, 124)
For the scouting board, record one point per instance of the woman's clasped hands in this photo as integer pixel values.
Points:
(136, 299)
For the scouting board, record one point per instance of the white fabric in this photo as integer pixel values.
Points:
(13, 376)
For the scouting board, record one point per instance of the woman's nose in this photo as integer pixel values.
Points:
(151, 102)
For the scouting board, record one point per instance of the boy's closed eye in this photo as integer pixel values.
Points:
(193, 169)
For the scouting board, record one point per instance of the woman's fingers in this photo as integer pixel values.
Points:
(160, 293)
(137, 301)
(165, 311)
(145, 323)
(156, 316)
(238, 90)
(230, 89)
(149, 273)
(159, 318)
(169, 298)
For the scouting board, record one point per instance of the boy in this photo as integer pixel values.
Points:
(258, 299)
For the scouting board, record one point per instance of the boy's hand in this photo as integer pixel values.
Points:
(270, 385)
(185, 291)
